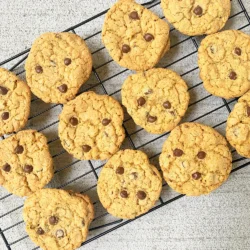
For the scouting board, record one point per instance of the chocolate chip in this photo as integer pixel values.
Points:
(6, 167)
(201, 155)
(198, 10)
(86, 148)
(120, 170)
(134, 15)
(125, 48)
(133, 175)
(39, 69)
(106, 122)
(67, 61)
(3, 90)
(40, 231)
(141, 195)
(53, 220)
(148, 37)
(124, 194)
(73, 121)
(167, 105)
(151, 119)
(19, 149)
(5, 115)
(232, 75)
(28, 169)
(248, 111)
(150, 91)
(59, 233)
(196, 176)
(141, 101)
(237, 51)
(63, 88)
(178, 152)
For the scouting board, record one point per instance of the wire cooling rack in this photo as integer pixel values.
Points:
(107, 78)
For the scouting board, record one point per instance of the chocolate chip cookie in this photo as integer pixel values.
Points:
(57, 66)
(197, 17)
(58, 219)
(135, 37)
(14, 102)
(195, 159)
(90, 126)
(128, 184)
(156, 99)
(25, 163)
(238, 126)
(224, 63)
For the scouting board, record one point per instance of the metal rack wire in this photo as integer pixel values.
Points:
(136, 138)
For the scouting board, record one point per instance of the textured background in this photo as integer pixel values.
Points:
(218, 221)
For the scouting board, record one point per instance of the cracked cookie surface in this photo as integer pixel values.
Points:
(58, 219)
(14, 102)
(197, 17)
(90, 126)
(238, 126)
(224, 63)
(195, 159)
(25, 163)
(129, 185)
(135, 37)
(57, 66)
(156, 99)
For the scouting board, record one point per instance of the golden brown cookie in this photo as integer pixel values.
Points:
(25, 163)
(135, 37)
(197, 17)
(128, 184)
(14, 102)
(238, 126)
(57, 66)
(90, 126)
(195, 159)
(58, 219)
(156, 99)
(224, 63)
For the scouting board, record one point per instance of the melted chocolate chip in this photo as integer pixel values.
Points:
(141, 195)
(151, 119)
(105, 122)
(198, 10)
(53, 220)
(86, 148)
(39, 69)
(6, 167)
(248, 111)
(134, 15)
(124, 194)
(67, 61)
(120, 170)
(125, 48)
(3, 90)
(141, 101)
(150, 91)
(63, 88)
(167, 105)
(237, 51)
(201, 155)
(73, 121)
(196, 176)
(19, 149)
(59, 233)
(40, 231)
(5, 116)
(232, 75)
(28, 169)
(178, 152)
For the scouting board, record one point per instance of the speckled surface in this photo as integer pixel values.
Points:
(219, 221)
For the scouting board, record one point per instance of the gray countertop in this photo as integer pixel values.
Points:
(217, 221)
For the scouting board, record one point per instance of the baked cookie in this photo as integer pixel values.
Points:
(238, 126)
(25, 163)
(156, 99)
(128, 184)
(57, 65)
(224, 63)
(58, 219)
(90, 126)
(197, 17)
(135, 37)
(14, 102)
(195, 159)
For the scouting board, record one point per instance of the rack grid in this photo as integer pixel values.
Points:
(107, 78)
